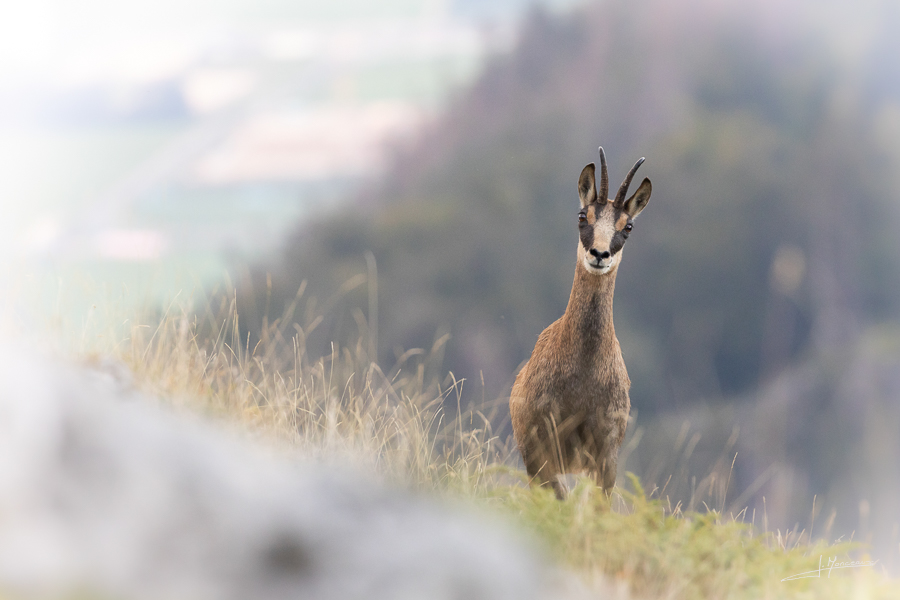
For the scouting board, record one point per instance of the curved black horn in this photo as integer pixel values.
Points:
(603, 193)
(620, 195)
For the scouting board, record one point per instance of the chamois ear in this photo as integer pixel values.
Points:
(587, 188)
(634, 205)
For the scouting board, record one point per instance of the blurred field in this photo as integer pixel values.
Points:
(344, 408)
(166, 142)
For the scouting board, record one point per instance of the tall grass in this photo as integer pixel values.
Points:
(406, 424)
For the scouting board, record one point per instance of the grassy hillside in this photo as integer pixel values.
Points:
(344, 408)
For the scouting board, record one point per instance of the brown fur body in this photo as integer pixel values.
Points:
(570, 402)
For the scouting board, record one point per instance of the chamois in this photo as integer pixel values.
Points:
(570, 403)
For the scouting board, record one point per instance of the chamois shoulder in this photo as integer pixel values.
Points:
(551, 359)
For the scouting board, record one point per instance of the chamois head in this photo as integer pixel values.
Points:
(603, 224)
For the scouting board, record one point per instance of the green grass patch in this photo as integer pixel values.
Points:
(639, 543)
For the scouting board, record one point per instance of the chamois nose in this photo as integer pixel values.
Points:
(599, 255)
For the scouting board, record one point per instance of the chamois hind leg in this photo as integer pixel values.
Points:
(605, 465)
(604, 473)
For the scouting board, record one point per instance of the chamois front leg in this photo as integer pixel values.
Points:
(542, 462)
(544, 473)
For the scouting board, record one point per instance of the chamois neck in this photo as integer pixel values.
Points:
(588, 320)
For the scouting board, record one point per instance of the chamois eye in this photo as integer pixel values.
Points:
(629, 227)
(582, 218)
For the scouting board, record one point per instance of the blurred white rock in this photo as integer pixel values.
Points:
(126, 500)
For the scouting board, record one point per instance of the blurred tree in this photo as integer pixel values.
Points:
(763, 137)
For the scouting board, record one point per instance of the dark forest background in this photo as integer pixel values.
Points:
(758, 299)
